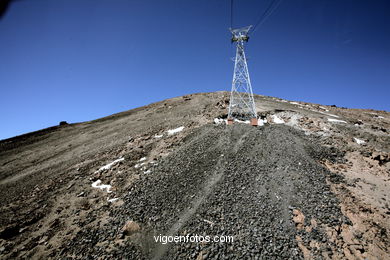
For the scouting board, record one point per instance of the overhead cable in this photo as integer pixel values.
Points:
(267, 13)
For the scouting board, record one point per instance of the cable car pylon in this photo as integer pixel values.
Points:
(241, 104)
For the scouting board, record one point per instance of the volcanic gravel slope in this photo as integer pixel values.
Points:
(312, 182)
(239, 181)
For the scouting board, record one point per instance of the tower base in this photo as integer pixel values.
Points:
(254, 121)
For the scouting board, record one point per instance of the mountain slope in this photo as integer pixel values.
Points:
(312, 182)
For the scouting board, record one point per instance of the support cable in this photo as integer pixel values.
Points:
(231, 14)
(267, 13)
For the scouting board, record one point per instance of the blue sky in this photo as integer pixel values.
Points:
(81, 60)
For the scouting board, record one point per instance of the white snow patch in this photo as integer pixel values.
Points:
(380, 117)
(112, 200)
(261, 122)
(277, 120)
(158, 136)
(142, 159)
(148, 171)
(219, 121)
(336, 120)
(328, 114)
(139, 165)
(108, 166)
(359, 141)
(97, 184)
(242, 122)
(294, 103)
(176, 130)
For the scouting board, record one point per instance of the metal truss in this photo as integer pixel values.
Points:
(242, 104)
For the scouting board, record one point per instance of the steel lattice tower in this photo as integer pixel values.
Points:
(242, 104)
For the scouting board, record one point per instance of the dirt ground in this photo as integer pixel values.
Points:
(312, 182)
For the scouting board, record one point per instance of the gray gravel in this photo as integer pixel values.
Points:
(226, 180)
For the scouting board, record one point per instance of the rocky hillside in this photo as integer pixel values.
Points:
(311, 181)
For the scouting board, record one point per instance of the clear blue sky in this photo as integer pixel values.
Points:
(81, 60)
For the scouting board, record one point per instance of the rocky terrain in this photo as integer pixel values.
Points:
(310, 182)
